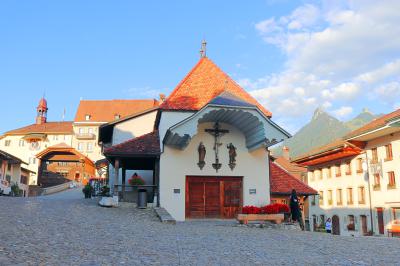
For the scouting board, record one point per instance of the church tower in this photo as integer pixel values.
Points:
(41, 116)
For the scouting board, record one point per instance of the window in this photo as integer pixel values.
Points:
(313, 200)
(80, 146)
(331, 171)
(339, 197)
(7, 143)
(55, 137)
(396, 213)
(32, 160)
(349, 196)
(359, 165)
(117, 116)
(320, 173)
(311, 175)
(338, 170)
(87, 117)
(321, 198)
(81, 130)
(322, 221)
(90, 130)
(361, 195)
(24, 180)
(9, 167)
(348, 168)
(377, 181)
(351, 226)
(330, 197)
(89, 147)
(21, 143)
(374, 155)
(392, 180)
(328, 172)
(389, 153)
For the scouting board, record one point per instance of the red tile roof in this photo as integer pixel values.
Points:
(281, 182)
(375, 124)
(46, 128)
(202, 84)
(105, 111)
(293, 168)
(148, 144)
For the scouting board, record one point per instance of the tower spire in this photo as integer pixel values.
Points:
(203, 50)
(41, 116)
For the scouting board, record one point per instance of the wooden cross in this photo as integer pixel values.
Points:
(217, 133)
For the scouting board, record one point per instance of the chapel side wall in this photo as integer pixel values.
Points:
(344, 181)
(175, 165)
(134, 127)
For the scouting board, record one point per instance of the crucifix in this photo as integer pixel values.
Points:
(217, 133)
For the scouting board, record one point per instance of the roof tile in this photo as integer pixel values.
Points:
(281, 182)
(48, 127)
(202, 84)
(148, 144)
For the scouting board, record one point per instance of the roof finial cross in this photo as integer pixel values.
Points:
(203, 50)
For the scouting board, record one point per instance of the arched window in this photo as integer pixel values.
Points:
(351, 226)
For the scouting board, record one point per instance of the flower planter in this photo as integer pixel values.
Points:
(245, 218)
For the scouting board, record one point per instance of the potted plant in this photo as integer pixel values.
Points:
(105, 191)
(272, 212)
(87, 190)
(136, 180)
(15, 190)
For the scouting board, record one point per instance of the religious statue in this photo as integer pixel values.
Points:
(202, 155)
(216, 132)
(232, 155)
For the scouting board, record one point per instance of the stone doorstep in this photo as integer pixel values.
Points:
(284, 226)
(164, 216)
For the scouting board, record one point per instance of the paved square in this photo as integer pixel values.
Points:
(65, 229)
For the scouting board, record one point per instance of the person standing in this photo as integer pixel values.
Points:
(328, 226)
(295, 209)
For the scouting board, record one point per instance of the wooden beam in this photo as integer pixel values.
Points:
(123, 182)
(116, 177)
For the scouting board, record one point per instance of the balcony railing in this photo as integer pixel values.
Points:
(85, 136)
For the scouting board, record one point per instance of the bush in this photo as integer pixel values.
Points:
(136, 181)
(15, 190)
(105, 191)
(267, 209)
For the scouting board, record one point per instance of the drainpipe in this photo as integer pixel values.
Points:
(369, 191)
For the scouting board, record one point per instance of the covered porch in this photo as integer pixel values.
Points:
(135, 158)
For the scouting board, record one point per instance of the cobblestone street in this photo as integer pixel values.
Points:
(65, 229)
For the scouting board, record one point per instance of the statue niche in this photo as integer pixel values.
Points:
(232, 155)
(202, 155)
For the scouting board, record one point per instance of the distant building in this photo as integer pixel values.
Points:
(13, 171)
(356, 179)
(65, 145)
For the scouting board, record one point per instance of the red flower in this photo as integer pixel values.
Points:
(267, 209)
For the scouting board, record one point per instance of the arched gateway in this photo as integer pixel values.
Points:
(62, 163)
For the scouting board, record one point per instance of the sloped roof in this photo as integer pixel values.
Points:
(293, 168)
(148, 144)
(374, 124)
(281, 182)
(63, 147)
(64, 127)
(105, 110)
(202, 84)
(9, 157)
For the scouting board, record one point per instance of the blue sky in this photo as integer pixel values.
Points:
(291, 55)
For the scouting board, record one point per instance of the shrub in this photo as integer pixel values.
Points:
(136, 181)
(267, 209)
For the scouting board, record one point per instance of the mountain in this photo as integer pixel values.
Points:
(363, 118)
(322, 129)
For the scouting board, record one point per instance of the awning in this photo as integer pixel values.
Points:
(259, 130)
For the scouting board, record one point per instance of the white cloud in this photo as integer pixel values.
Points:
(336, 54)
(343, 111)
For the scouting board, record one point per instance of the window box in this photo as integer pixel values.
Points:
(377, 187)
(361, 202)
(388, 159)
(391, 186)
(348, 173)
(329, 202)
(339, 203)
(359, 171)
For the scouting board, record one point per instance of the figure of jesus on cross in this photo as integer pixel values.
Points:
(217, 133)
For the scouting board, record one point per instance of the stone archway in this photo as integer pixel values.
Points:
(335, 225)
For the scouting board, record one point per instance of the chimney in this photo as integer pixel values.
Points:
(162, 97)
(285, 153)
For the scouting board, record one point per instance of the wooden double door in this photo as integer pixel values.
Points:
(213, 197)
